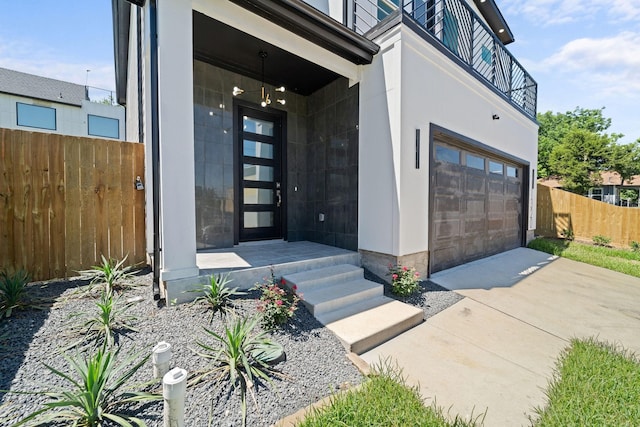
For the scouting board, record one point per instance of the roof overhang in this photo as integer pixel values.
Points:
(490, 12)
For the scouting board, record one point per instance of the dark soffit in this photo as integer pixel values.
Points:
(229, 48)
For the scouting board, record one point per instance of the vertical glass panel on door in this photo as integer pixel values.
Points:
(258, 196)
(258, 219)
(258, 173)
(257, 149)
(261, 127)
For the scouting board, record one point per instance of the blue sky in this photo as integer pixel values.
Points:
(581, 52)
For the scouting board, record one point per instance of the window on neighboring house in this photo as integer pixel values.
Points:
(595, 193)
(36, 116)
(103, 126)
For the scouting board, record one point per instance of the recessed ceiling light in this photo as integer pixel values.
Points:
(501, 30)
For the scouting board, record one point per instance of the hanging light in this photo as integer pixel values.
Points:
(265, 97)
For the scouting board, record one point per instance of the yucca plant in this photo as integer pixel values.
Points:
(217, 295)
(239, 356)
(111, 317)
(111, 273)
(13, 291)
(96, 394)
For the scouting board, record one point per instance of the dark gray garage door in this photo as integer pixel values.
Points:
(476, 205)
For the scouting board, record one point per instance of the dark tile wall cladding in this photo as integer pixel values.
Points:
(322, 160)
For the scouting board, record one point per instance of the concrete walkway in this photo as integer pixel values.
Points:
(495, 350)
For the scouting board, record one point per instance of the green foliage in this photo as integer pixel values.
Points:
(218, 295)
(95, 395)
(579, 158)
(111, 273)
(276, 304)
(111, 317)
(595, 384)
(625, 160)
(621, 260)
(554, 128)
(599, 240)
(383, 400)
(239, 356)
(629, 194)
(567, 233)
(404, 280)
(13, 291)
(635, 246)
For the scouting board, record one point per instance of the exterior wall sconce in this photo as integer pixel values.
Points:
(495, 117)
(265, 97)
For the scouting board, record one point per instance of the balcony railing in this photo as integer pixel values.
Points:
(456, 26)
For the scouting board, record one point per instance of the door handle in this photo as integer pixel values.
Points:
(279, 196)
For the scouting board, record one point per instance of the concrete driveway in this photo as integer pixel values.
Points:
(496, 349)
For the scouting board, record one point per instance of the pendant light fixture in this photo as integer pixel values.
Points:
(265, 97)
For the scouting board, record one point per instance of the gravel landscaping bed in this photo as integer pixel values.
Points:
(315, 365)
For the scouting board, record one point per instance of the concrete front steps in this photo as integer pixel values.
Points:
(353, 308)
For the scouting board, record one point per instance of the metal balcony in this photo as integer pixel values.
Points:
(454, 25)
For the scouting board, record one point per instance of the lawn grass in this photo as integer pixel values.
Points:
(596, 384)
(621, 260)
(383, 400)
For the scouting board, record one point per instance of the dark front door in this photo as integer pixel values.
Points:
(261, 189)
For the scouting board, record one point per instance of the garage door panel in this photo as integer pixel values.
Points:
(476, 211)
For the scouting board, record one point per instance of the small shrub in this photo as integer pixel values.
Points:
(276, 304)
(240, 356)
(13, 291)
(635, 246)
(567, 234)
(111, 317)
(404, 280)
(217, 295)
(111, 273)
(601, 240)
(96, 393)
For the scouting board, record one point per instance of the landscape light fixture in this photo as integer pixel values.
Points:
(265, 97)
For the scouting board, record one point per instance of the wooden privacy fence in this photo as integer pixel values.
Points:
(560, 210)
(65, 201)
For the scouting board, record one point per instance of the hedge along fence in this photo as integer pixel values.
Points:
(65, 201)
(560, 210)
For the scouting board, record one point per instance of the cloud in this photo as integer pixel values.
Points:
(34, 59)
(608, 65)
(555, 12)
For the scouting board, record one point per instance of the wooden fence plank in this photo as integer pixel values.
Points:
(73, 206)
(113, 200)
(23, 220)
(39, 264)
(128, 199)
(100, 200)
(57, 251)
(558, 209)
(88, 206)
(7, 243)
(139, 206)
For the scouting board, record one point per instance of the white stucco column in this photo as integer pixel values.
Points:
(177, 183)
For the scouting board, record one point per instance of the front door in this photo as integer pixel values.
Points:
(259, 143)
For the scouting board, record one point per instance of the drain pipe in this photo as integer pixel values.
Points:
(174, 388)
(155, 146)
(160, 358)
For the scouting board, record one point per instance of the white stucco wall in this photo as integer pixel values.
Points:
(430, 88)
(70, 119)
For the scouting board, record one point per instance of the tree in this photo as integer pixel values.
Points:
(625, 160)
(554, 127)
(581, 156)
(629, 194)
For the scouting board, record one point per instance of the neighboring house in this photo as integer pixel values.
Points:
(35, 103)
(609, 189)
(406, 134)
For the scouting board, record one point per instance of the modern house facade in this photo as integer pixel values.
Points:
(30, 102)
(405, 132)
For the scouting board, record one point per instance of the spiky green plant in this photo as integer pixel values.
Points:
(110, 318)
(111, 273)
(96, 394)
(13, 291)
(217, 295)
(239, 356)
